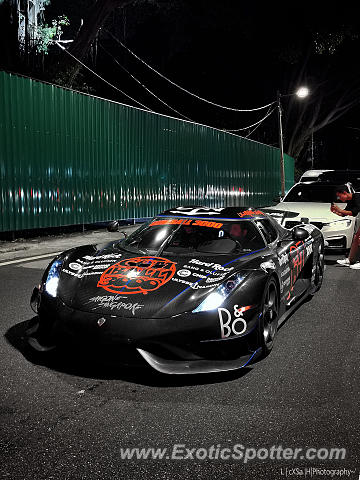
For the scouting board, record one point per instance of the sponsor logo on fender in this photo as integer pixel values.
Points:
(309, 249)
(283, 259)
(137, 275)
(270, 265)
(232, 324)
(285, 271)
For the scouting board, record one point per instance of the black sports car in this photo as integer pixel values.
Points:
(193, 290)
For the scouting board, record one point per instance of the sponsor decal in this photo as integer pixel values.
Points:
(195, 285)
(232, 324)
(188, 222)
(297, 261)
(75, 266)
(250, 213)
(79, 274)
(285, 271)
(109, 256)
(297, 256)
(82, 265)
(283, 259)
(137, 275)
(115, 302)
(180, 280)
(270, 265)
(197, 211)
(216, 279)
(216, 273)
(214, 266)
(205, 223)
(171, 221)
(183, 273)
(286, 282)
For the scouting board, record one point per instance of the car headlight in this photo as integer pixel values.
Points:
(52, 279)
(216, 299)
(339, 224)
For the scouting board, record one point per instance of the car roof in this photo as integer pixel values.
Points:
(332, 176)
(208, 212)
(316, 184)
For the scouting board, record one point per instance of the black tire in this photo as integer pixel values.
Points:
(317, 275)
(268, 322)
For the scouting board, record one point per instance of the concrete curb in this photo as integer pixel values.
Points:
(28, 248)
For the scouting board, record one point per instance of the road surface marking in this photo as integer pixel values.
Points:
(29, 259)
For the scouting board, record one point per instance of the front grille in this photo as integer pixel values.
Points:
(293, 223)
(336, 242)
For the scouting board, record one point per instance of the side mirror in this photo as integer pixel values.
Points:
(277, 199)
(299, 233)
(113, 226)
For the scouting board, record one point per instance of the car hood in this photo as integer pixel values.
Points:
(312, 210)
(116, 282)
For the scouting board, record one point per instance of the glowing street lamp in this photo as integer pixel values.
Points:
(301, 92)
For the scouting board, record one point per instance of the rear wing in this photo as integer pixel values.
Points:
(281, 215)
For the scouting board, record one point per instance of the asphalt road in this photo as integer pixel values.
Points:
(68, 421)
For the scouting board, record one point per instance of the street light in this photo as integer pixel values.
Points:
(301, 92)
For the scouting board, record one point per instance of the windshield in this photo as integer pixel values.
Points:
(183, 236)
(313, 192)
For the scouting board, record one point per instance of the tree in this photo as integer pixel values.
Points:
(94, 20)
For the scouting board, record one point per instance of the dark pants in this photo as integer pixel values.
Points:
(354, 255)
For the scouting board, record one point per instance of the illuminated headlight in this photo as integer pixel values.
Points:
(215, 299)
(339, 224)
(52, 280)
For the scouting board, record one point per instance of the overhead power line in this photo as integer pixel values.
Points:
(184, 89)
(254, 124)
(147, 108)
(101, 78)
(138, 81)
(257, 126)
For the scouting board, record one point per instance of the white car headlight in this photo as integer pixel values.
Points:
(339, 224)
(52, 280)
(216, 299)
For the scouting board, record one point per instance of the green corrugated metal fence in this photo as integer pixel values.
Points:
(68, 158)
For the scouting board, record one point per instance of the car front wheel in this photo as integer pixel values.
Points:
(269, 316)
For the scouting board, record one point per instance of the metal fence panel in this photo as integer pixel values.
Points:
(68, 158)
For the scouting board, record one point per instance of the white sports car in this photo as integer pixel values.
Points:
(313, 201)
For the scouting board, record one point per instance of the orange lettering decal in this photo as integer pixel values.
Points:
(250, 213)
(137, 275)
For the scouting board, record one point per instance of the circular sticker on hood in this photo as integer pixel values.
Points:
(74, 266)
(137, 275)
(184, 273)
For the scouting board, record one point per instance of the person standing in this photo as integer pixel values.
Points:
(352, 208)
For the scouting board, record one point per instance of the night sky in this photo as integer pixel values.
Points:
(237, 54)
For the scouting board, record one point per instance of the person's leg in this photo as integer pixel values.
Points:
(354, 255)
